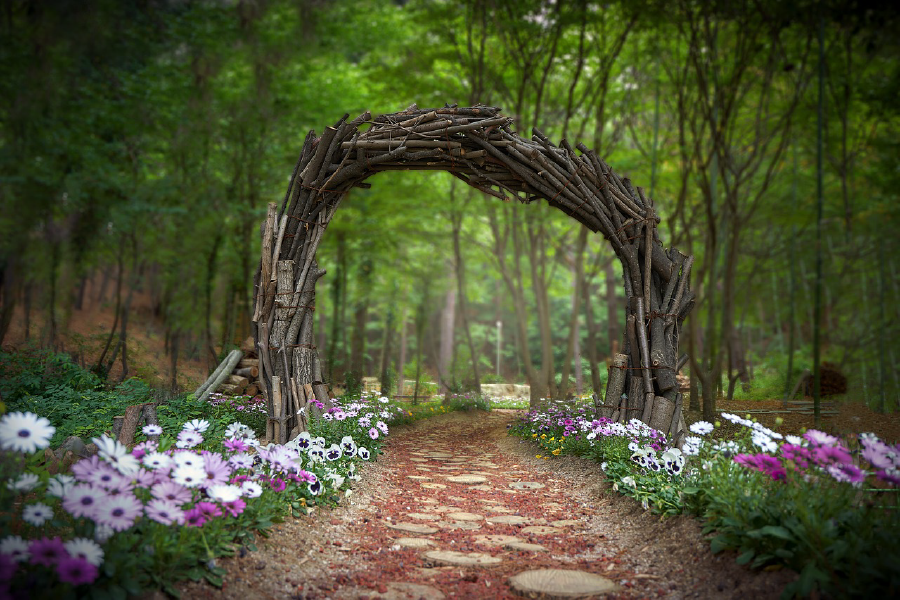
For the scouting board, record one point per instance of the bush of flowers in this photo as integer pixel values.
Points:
(124, 521)
(465, 402)
(822, 506)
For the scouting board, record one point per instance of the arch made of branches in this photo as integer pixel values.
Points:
(479, 146)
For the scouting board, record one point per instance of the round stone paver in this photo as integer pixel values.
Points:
(482, 488)
(419, 477)
(463, 516)
(560, 583)
(401, 590)
(413, 527)
(526, 485)
(542, 530)
(462, 559)
(423, 516)
(565, 523)
(434, 486)
(523, 547)
(414, 542)
(450, 525)
(468, 479)
(507, 520)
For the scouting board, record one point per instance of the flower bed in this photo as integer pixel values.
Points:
(127, 520)
(822, 506)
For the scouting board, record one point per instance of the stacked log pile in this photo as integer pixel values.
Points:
(244, 378)
(833, 382)
(479, 146)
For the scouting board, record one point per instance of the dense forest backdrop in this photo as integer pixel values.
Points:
(141, 140)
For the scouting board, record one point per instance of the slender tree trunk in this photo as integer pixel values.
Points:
(448, 317)
(401, 363)
(571, 346)
(212, 357)
(338, 298)
(613, 323)
(820, 201)
(456, 218)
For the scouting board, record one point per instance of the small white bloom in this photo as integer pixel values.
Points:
(157, 460)
(60, 485)
(37, 514)
(152, 429)
(87, 549)
(224, 493)
(794, 440)
(25, 432)
(103, 532)
(198, 425)
(15, 547)
(629, 481)
(188, 476)
(251, 489)
(24, 483)
(702, 427)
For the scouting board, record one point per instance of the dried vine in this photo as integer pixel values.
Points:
(479, 146)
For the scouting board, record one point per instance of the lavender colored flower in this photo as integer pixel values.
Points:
(241, 461)
(14, 547)
(104, 476)
(373, 433)
(194, 518)
(87, 549)
(846, 473)
(188, 438)
(82, 500)
(76, 571)
(163, 511)
(828, 455)
(171, 491)
(217, 469)
(8, 567)
(821, 438)
(209, 510)
(235, 445)
(119, 512)
(46, 551)
(235, 507)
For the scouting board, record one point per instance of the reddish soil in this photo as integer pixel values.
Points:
(353, 551)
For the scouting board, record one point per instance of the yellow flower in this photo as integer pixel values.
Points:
(546, 458)
(553, 438)
(533, 435)
(537, 455)
(543, 436)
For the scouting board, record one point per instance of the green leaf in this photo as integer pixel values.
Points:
(746, 557)
(690, 490)
(214, 579)
(772, 530)
(719, 543)
(784, 553)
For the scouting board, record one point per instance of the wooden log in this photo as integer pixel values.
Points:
(615, 383)
(393, 144)
(218, 376)
(230, 390)
(676, 418)
(117, 423)
(265, 262)
(641, 331)
(277, 410)
(151, 418)
(237, 381)
(133, 416)
(248, 362)
(248, 372)
(251, 390)
(661, 417)
(648, 407)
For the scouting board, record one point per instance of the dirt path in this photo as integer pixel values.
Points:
(411, 502)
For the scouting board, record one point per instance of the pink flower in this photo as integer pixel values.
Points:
(119, 512)
(277, 484)
(217, 469)
(76, 571)
(169, 490)
(164, 511)
(846, 473)
(194, 518)
(235, 445)
(46, 551)
(235, 507)
(826, 455)
(209, 510)
(821, 438)
(800, 455)
(82, 500)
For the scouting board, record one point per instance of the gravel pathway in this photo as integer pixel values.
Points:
(455, 507)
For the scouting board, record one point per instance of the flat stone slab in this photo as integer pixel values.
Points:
(468, 479)
(426, 469)
(467, 525)
(417, 459)
(526, 485)
(434, 486)
(560, 583)
(463, 516)
(419, 477)
(541, 530)
(461, 559)
(482, 488)
(565, 523)
(413, 527)
(495, 540)
(523, 547)
(423, 516)
(414, 542)
(397, 590)
(507, 520)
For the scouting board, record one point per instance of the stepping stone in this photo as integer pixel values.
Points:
(439, 455)
(541, 530)
(416, 459)
(565, 523)
(509, 491)
(500, 509)
(427, 500)
(495, 540)
(526, 485)
(419, 477)
(507, 520)
(467, 525)
(461, 559)
(522, 547)
(423, 516)
(426, 469)
(560, 583)
(397, 590)
(413, 542)
(457, 498)
(463, 516)
(412, 527)
(485, 473)
(488, 500)
(467, 479)
(482, 488)
(444, 509)
(434, 486)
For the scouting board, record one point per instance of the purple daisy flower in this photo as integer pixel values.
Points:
(84, 467)
(119, 512)
(171, 491)
(234, 445)
(104, 476)
(76, 571)
(194, 518)
(82, 500)
(209, 510)
(217, 470)
(235, 507)
(188, 438)
(7, 567)
(164, 511)
(46, 551)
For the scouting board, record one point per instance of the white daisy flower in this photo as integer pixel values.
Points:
(187, 459)
(60, 485)
(15, 547)
(198, 425)
(157, 460)
(37, 514)
(224, 493)
(152, 429)
(24, 483)
(702, 427)
(251, 489)
(241, 460)
(103, 532)
(87, 549)
(25, 432)
(188, 476)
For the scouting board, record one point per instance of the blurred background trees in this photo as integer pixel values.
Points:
(141, 141)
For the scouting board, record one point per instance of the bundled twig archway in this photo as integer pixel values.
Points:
(479, 146)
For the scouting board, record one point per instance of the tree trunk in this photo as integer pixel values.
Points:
(448, 317)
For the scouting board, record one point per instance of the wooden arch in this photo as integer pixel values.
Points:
(479, 146)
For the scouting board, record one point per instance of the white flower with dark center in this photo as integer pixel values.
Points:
(692, 445)
(238, 430)
(633, 446)
(629, 480)
(224, 493)
(241, 460)
(382, 426)
(348, 445)
(187, 459)
(340, 415)
(794, 440)
(319, 441)
(316, 454)
(60, 485)
(702, 427)
(152, 429)
(25, 432)
(327, 416)
(15, 547)
(37, 514)
(363, 453)
(383, 400)
(334, 452)
(673, 461)
(189, 476)
(315, 488)
(87, 549)
(303, 441)
(24, 483)
(764, 442)
(116, 454)
(188, 438)
(198, 425)
(157, 460)
(251, 489)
